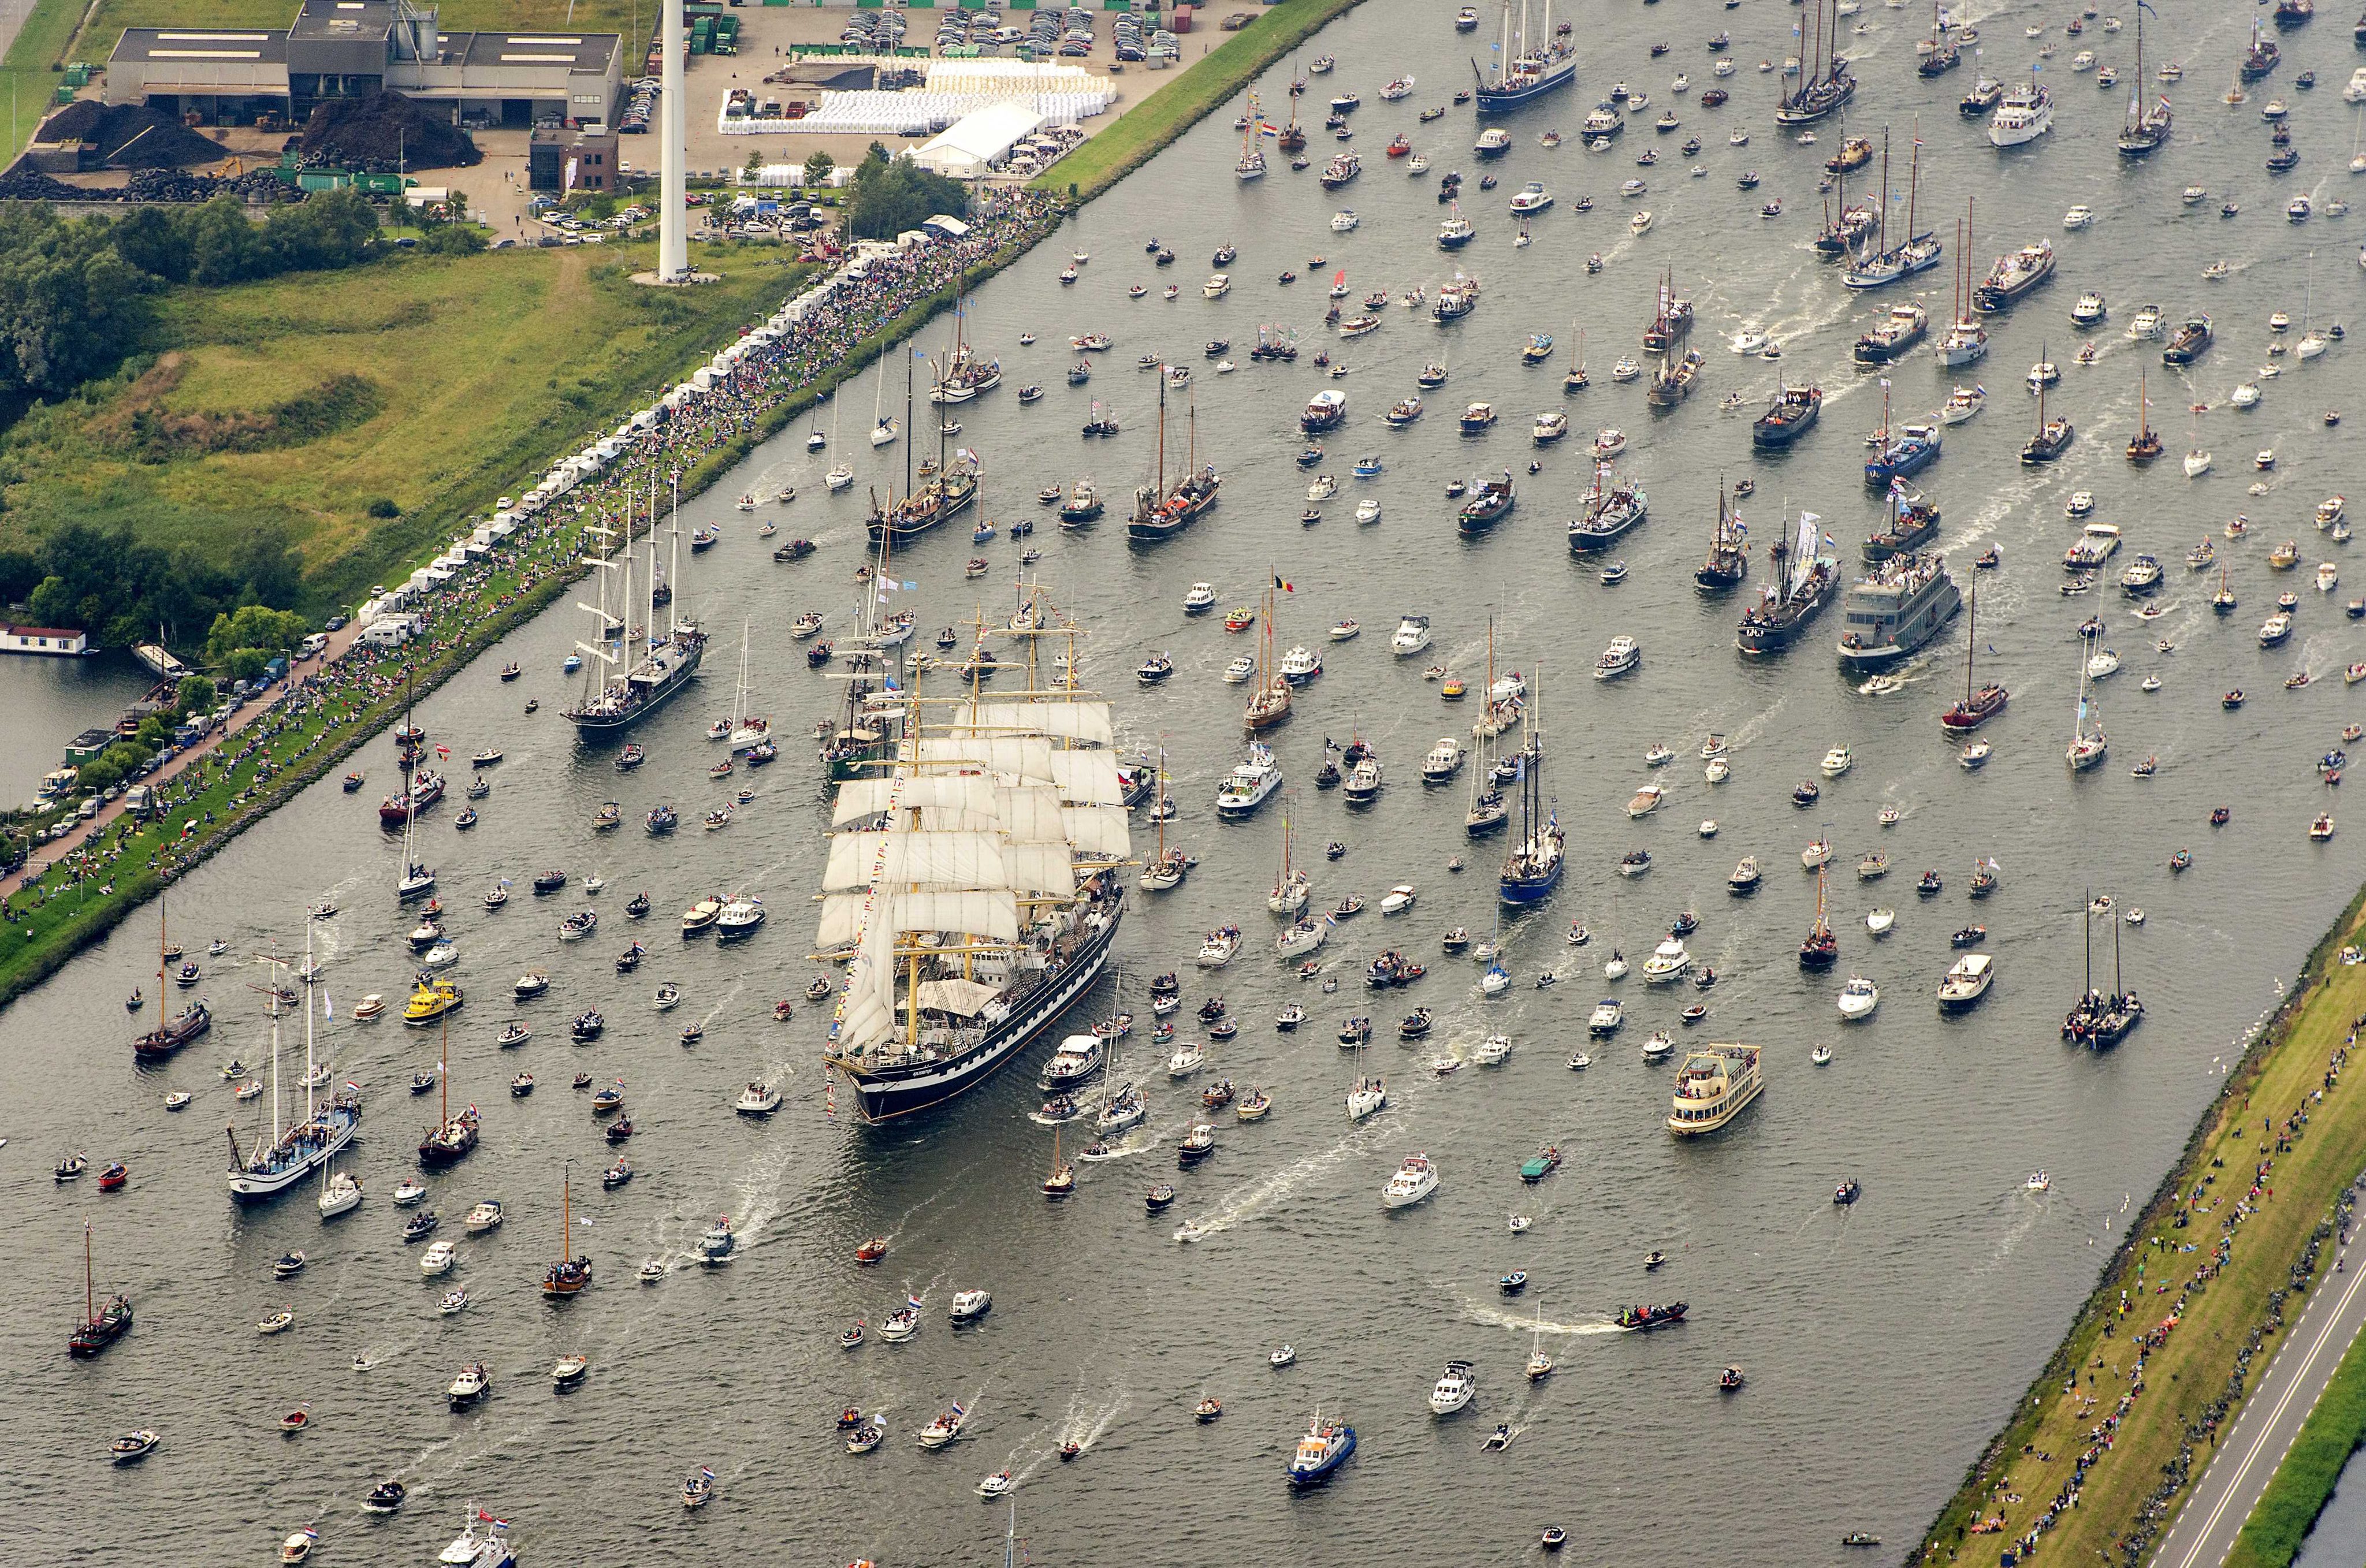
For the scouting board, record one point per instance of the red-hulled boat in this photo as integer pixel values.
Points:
(1980, 703)
(426, 789)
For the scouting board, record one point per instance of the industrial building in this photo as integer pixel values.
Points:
(343, 49)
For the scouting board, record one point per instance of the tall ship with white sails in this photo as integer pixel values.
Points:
(973, 884)
(300, 1148)
(623, 690)
(1523, 72)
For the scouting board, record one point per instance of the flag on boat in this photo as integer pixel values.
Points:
(328, 1006)
(1282, 583)
(444, 751)
(355, 1086)
(912, 1301)
(1267, 128)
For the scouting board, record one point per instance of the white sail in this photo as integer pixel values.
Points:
(1099, 830)
(945, 860)
(1803, 557)
(976, 912)
(1087, 778)
(859, 798)
(1088, 722)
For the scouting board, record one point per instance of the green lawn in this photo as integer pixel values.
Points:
(1188, 95)
(107, 24)
(474, 373)
(2272, 1535)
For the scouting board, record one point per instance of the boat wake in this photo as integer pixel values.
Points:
(1495, 1317)
(1755, 727)
(1889, 680)
(721, 1002)
(1259, 1196)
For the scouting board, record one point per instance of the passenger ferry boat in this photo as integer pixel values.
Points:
(1894, 610)
(949, 979)
(1712, 1086)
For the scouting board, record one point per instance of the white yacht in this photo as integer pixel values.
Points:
(1608, 1014)
(1837, 761)
(1249, 784)
(1412, 636)
(1966, 981)
(1622, 655)
(1669, 962)
(1453, 1390)
(341, 1195)
(1859, 998)
(2026, 114)
(1220, 947)
(438, 1258)
(1414, 1180)
(1368, 1096)
(758, 1098)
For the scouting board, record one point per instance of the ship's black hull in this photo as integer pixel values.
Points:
(903, 1091)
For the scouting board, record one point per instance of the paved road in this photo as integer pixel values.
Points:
(2248, 1457)
(46, 855)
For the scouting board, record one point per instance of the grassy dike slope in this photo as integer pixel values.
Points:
(1186, 95)
(2131, 1491)
(473, 373)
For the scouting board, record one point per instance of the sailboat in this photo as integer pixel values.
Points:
(1533, 868)
(1487, 813)
(620, 691)
(2053, 436)
(298, 1149)
(99, 1328)
(884, 426)
(1160, 511)
(1293, 139)
(1251, 163)
(1821, 947)
(570, 1274)
(1913, 253)
(1966, 341)
(2101, 1020)
(841, 473)
(1525, 72)
(2311, 341)
(1061, 1182)
(1365, 1095)
(1575, 381)
(746, 729)
(1541, 1365)
(2197, 461)
(1292, 885)
(1729, 554)
(1824, 80)
(452, 1137)
(2086, 746)
(170, 1035)
(1270, 705)
(1979, 704)
(2143, 133)
(2146, 443)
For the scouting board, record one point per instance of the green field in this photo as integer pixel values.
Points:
(111, 17)
(1189, 93)
(2272, 1535)
(436, 384)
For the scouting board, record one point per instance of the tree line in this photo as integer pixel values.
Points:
(75, 292)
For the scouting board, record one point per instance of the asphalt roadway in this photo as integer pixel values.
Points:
(2271, 1418)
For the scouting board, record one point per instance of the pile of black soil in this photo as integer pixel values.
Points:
(382, 132)
(128, 136)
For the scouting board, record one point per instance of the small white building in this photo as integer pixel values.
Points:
(52, 641)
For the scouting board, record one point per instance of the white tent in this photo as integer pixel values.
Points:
(975, 142)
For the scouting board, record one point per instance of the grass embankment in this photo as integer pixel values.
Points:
(2130, 1491)
(292, 405)
(2288, 1509)
(236, 788)
(1189, 93)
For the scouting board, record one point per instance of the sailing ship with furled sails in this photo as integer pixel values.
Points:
(972, 883)
(1803, 575)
